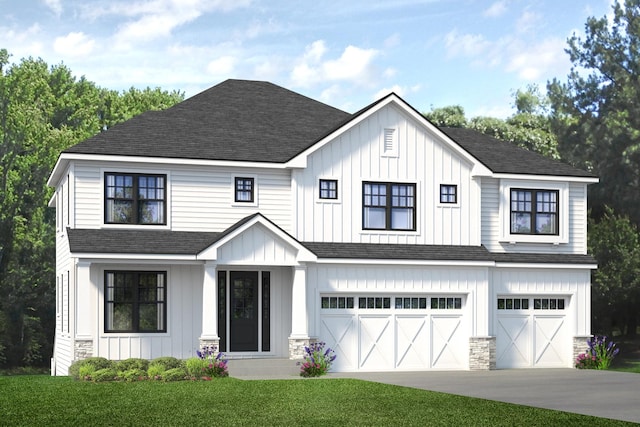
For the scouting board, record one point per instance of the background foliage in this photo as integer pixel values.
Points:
(43, 110)
(591, 120)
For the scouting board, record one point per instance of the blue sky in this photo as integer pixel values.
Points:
(433, 53)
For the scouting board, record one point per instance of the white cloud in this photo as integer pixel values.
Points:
(528, 21)
(74, 45)
(535, 61)
(23, 42)
(153, 19)
(222, 67)
(354, 65)
(496, 9)
(54, 5)
(465, 44)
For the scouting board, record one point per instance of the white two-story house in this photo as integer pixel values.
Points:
(258, 220)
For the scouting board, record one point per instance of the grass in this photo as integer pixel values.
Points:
(43, 400)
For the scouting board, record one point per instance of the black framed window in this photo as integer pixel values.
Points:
(244, 189)
(135, 301)
(534, 211)
(388, 206)
(448, 193)
(329, 189)
(135, 199)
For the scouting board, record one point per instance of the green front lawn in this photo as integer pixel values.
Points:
(42, 400)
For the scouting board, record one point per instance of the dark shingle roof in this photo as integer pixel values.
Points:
(242, 120)
(505, 157)
(165, 242)
(398, 251)
(236, 120)
(153, 242)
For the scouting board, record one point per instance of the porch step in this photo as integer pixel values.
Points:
(273, 368)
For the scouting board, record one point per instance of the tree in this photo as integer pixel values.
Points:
(614, 241)
(596, 113)
(43, 111)
(528, 128)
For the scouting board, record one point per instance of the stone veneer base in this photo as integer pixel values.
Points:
(82, 349)
(482, 353)
(297, 345)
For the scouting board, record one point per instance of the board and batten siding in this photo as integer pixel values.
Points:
(199, 198)
(184, 317)
(381, 280)
(357, 155)
(539, 282)
(491, 221)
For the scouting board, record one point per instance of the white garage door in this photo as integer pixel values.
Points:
(532, 332)
(395, 333)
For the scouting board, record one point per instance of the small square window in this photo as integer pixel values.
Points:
(329, 189)
(448, 193)
(244, 189)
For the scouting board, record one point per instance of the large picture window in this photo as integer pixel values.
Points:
(135, 199)
(534, 211)
(389, 206)
(135, 301)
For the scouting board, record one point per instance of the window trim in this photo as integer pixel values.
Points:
(135, 175)
(328, 199)
(251, 191)
(136, 304)
(506, 185)
(442, 204)
(233, 194)
(389, 208)
(534, 210)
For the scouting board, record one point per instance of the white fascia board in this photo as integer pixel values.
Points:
(300, 161)
(52, 201)
(433, 263)
(158, 258)
(584, 179)
(58, 171)
(166, 161)
(543, 265)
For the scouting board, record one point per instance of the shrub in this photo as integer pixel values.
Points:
(167, 362)
(174, 374)
(131, 375)
(215, 364)
(317, 360)
(195, 367)
(132, 363)
(95, 363)
(155, 372)
(599, 354)
(105, 374)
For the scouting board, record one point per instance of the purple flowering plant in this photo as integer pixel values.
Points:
(215, 365)
(317, 360)
(599, 354)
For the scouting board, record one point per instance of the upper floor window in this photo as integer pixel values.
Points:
(135, 198)
(135, 301)
(448, 193)
(329, 189)
(388, 206)
(534, 211)
(244, 189)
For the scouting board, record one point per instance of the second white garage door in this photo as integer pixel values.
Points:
(395, 333)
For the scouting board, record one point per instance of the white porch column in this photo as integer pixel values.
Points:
(299, 337)
(86, 310)
(209, 334)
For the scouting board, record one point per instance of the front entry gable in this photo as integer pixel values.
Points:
(257, 241)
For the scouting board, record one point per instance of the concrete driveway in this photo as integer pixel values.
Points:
(605, 394)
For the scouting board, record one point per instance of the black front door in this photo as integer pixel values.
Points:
(243, 316)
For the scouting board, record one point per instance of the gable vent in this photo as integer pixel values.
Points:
(390, 143)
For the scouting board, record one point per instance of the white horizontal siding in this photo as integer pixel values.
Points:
(356, 156)
(199, 198)
(491, 222)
